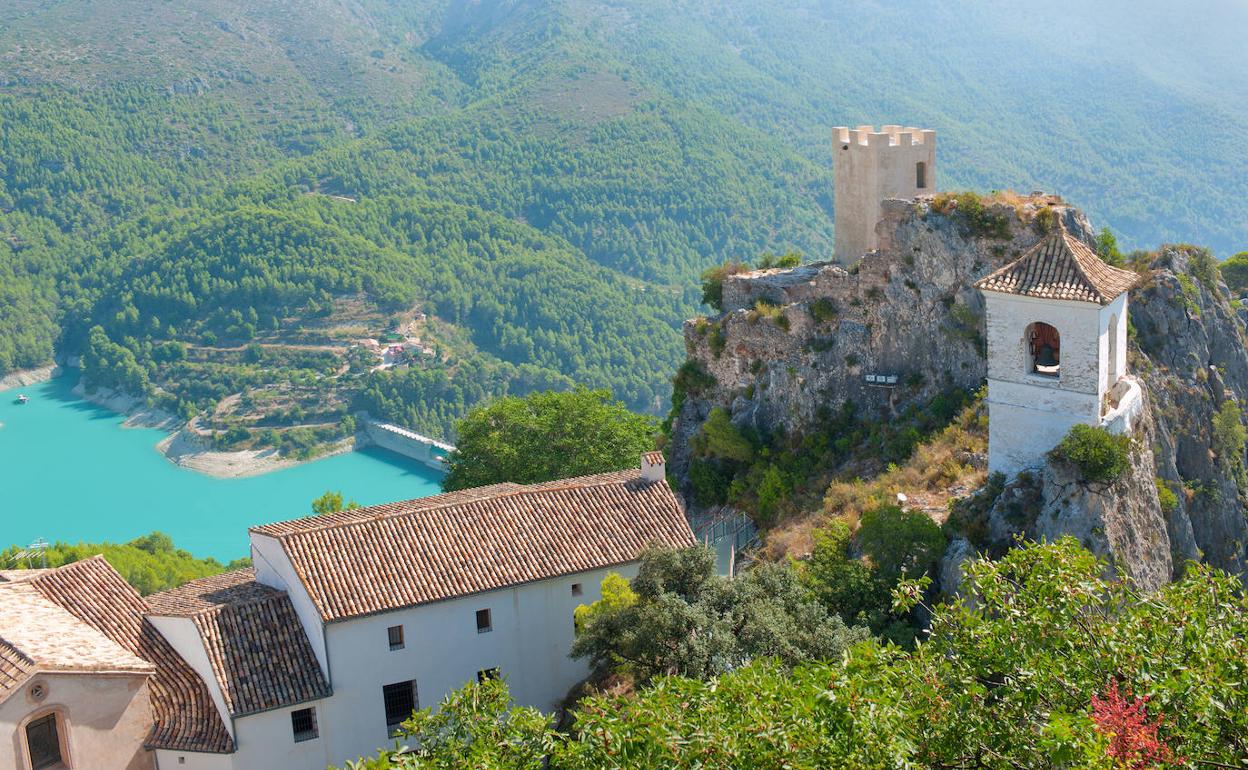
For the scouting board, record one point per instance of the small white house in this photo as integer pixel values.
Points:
(1057, 350)
(351, 620)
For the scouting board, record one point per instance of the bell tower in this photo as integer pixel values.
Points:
(1057, 350)
(871, 166)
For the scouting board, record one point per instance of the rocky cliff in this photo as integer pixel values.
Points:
(792, 345)
(895, 329)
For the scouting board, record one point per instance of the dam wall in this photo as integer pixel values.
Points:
(427, 451)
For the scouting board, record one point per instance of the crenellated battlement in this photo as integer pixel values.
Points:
(887, 136)
(871, 167)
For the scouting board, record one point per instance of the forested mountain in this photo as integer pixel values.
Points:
(233, 191)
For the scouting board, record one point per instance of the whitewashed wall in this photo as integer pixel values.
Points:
(1029, 414)
(532, 634)
(184, 637)
(191, 760)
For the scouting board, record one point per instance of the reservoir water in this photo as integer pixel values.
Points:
(70, 471)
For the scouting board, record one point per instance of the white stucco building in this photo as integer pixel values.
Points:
(351, 620)
(871, 166)
(1057, 350)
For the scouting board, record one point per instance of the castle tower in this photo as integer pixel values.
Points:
(871, 166)
(1057, 350)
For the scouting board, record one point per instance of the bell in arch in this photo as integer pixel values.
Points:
(1045, 357)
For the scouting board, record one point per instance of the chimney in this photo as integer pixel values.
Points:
(653, 467)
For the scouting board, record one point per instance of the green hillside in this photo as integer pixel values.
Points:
(237, 192)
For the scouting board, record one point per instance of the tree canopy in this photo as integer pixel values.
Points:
(680, 618)
(1046, 663)
(545, 436)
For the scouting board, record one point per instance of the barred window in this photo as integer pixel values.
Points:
(303, 724)
(484, 622)
(395, 634)
(400, 699)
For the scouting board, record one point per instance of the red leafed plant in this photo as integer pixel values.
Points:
(1133, 740)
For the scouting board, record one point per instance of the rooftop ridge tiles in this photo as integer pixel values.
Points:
(581, 482)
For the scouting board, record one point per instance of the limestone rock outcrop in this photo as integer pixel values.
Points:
(793, 345)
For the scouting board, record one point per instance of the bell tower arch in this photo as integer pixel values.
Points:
(1056, 328)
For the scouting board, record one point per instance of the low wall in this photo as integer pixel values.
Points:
(425, 450)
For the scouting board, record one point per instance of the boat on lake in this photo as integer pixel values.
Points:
(21, 398)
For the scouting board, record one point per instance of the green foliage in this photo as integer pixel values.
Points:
(475, 726)
(617, 596)
(1099, 455)
(901, 544)
(969, 208)
(331, 502)
(545, 436)
(1012, 677)
(1229, 433)
(1166, 496)
(687, 621)
(105, 364)
(150, 563)
(1204, 266)
(823, 310)
(713, 282)
(852, 588)
(786, 260)
(1235, 273)
(719, 438)
(1107, 248)
(774, 313)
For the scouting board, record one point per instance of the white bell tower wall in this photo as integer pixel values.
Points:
(1029, 413)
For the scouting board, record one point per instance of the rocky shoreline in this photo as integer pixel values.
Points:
(26, 377)
(187, 449)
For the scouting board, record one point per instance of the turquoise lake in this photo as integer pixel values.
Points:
(70, 471)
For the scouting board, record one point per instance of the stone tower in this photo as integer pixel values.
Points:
(1057, 350)
(871, 166)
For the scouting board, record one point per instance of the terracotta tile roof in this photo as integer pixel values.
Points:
(259, 652)
(210, 593)
(185, 717)
(15, 669)
(402, 554)
(48, 638)
(654, 458)
(1061, 267)
(277, 529)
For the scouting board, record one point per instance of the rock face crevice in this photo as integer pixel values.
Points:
(1191, 354)
(793, 345)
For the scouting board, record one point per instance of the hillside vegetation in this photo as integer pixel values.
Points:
(237, 193)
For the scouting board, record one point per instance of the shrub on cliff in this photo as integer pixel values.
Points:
(1099, 455)
(713, 282)
(1235, 272)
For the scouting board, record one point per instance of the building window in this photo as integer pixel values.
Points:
(43, 742)
(1044, 350)
(487, 674)
(577, 590)
(400, 699)
(484, 623)
(920, 175)
(395, 633)
(303, 724)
